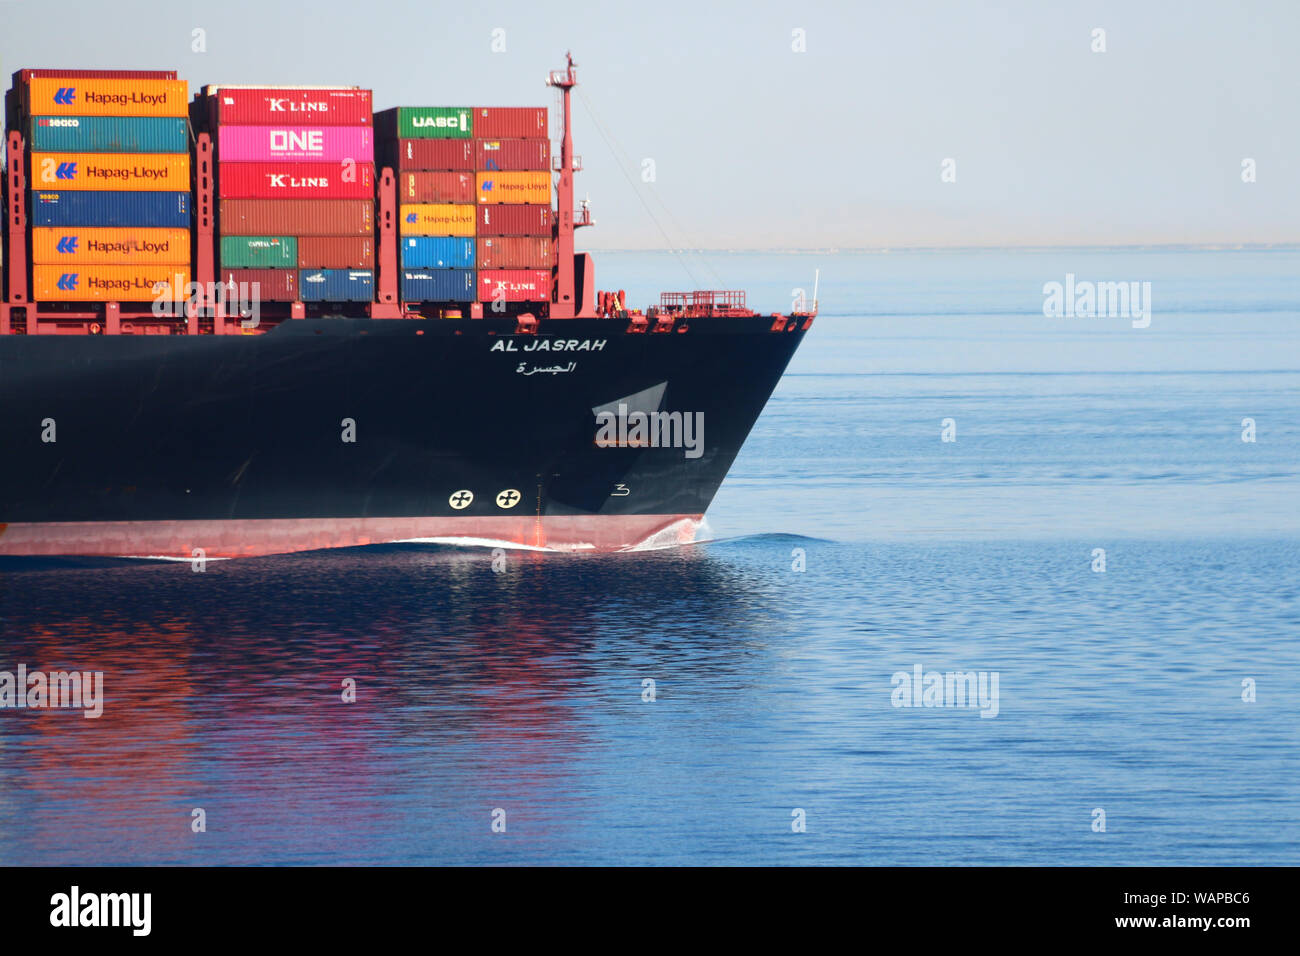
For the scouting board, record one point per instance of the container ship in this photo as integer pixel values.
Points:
(269, 319)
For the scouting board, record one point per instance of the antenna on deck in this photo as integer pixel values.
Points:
(563, 302)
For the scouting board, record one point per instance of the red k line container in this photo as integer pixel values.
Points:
(296, 217)
(274, 285)
(336, 252)
(514, 285)
(435, 154)
(287, 180)
(268, 105)
(510, 122)
(435, 187)
(513, 220)
(513, 154)
(515, 252)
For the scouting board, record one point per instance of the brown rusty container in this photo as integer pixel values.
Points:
(26, 76)
(296, 217)
(516, 154)
(513, 220)
(510, 122)
(515, 252)
(336, 252)
(435, 154)
(416, 187)
(274, 285)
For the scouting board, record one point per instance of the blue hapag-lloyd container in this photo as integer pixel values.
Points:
(437, 252)
(438, 285)
(92, 208)
(109, 134)
(336, 285)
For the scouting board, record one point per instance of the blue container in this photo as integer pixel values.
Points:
(89, 208)
(109, 134)
(336, 285)
(438, 285)
(437, 252)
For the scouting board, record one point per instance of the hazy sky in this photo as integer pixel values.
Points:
(758, 146)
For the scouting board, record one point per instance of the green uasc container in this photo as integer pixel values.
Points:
(259, 252)
(435, 122)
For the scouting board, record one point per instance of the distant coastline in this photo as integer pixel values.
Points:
(887, 250)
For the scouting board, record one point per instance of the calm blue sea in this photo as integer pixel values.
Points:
(850, 543)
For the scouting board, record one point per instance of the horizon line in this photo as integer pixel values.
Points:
(879, 250)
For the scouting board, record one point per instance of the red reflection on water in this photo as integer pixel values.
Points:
(133, 763)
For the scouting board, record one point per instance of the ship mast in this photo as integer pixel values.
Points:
(564, 305)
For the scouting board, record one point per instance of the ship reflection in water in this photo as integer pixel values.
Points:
(524, 690)
(475, 689)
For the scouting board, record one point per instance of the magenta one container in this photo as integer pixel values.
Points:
(259, 144)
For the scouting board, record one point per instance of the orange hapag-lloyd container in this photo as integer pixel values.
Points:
(437, 219)
(109, 246)
(514, 187)
(83, 96)
(89, 283)
(115, 172)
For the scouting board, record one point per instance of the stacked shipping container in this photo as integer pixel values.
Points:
(432, 149)
(112, 191)
(512, 165)
(474, 194)
(296, 183)
(109, 166)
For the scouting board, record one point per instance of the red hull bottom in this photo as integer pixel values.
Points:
(252, 537)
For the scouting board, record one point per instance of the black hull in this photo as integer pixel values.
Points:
(240, 428)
